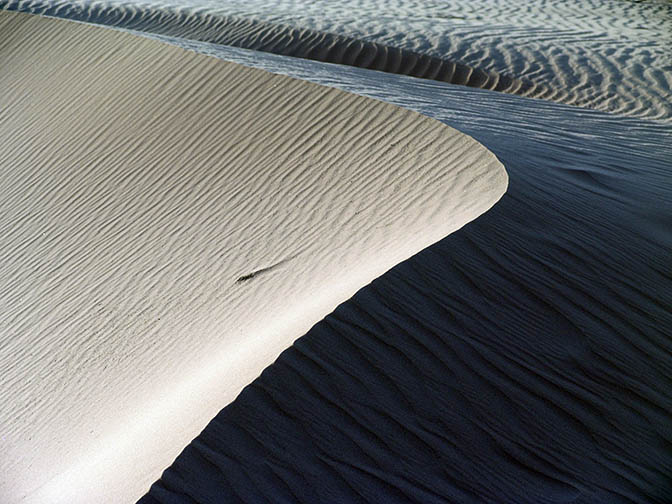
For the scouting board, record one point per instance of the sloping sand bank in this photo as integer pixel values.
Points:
(170, 223)
(525, 358)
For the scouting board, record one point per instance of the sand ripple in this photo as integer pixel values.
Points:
(606, 55)
(282, 40)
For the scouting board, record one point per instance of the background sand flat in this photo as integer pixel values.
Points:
(170, 223)
(180, 27)
(610, 55)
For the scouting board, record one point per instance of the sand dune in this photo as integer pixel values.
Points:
(605, 54)
(283, 40)
(609, 55)
(170, 223)
(524, 359)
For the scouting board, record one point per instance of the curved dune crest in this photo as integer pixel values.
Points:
(170, 223)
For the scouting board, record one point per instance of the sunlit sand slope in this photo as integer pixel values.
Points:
(524, 359)
(169, 224)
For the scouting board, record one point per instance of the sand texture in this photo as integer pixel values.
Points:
(282, 40)
(170, 223)
(610, 55)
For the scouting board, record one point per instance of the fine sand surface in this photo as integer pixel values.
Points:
(170, 223)
(610, 55)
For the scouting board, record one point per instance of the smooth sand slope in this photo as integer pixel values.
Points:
(169, 223)
(526, 358)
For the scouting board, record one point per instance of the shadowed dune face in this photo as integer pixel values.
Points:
(603, 54)
(170, 223)
(525, 358)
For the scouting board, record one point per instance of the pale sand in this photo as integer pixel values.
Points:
(140, 183)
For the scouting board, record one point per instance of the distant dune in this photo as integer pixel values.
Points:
(171, 222)
(282, 40)
(609, 55)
